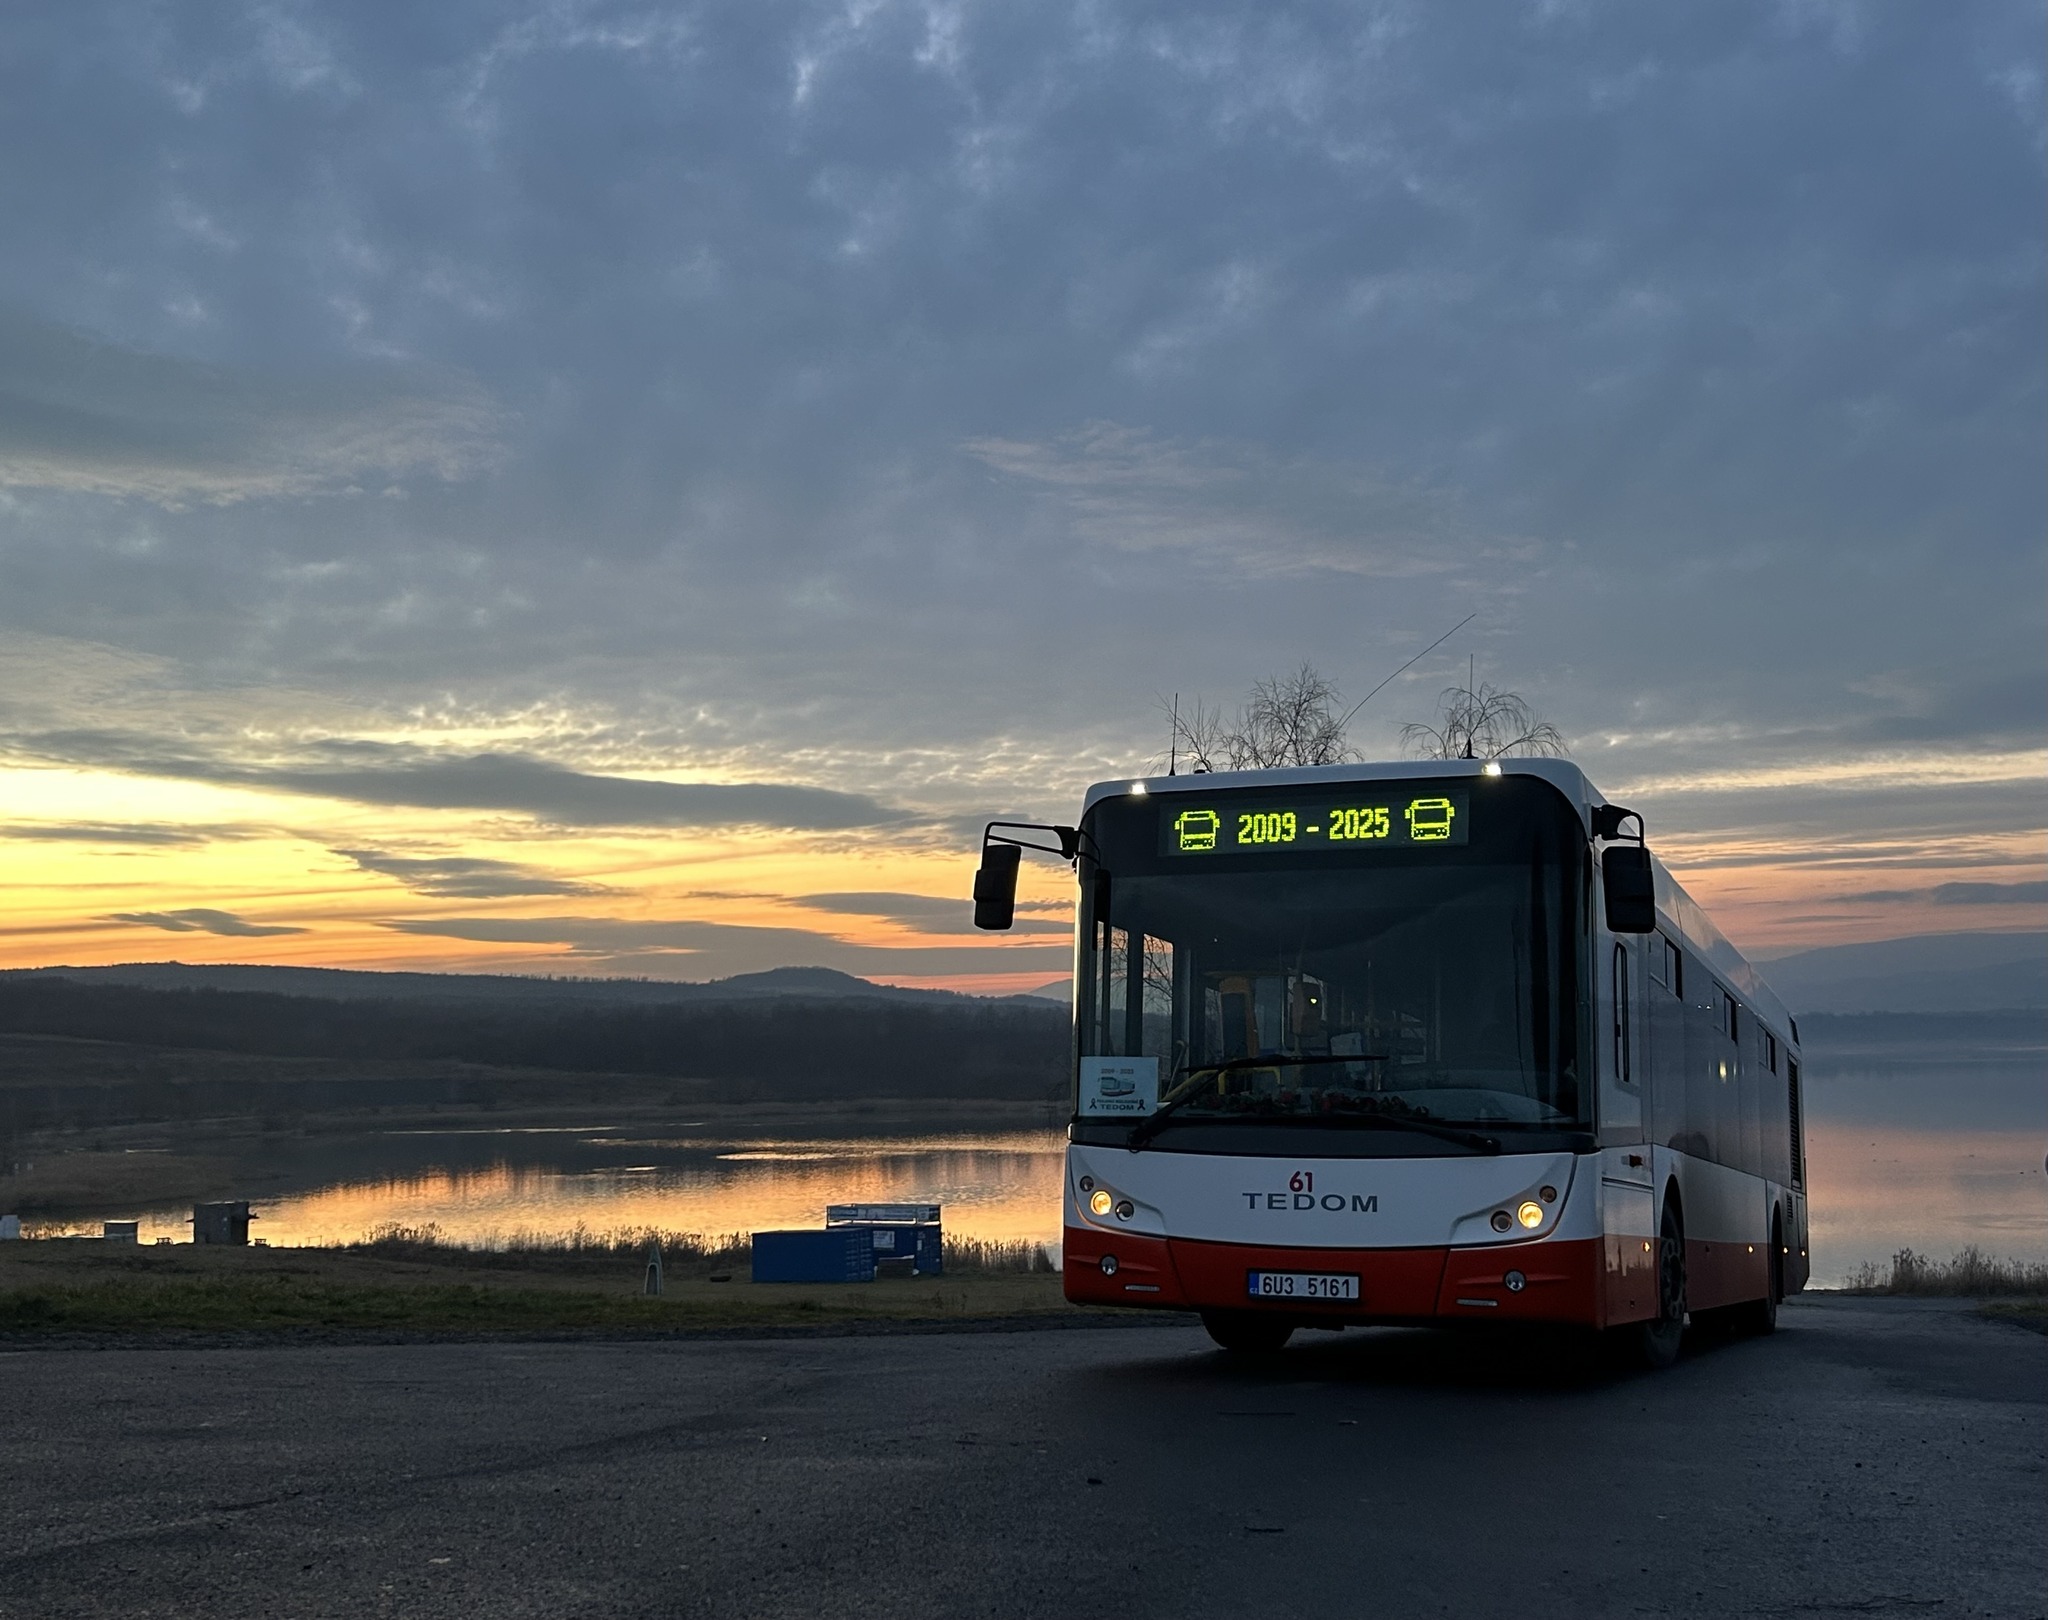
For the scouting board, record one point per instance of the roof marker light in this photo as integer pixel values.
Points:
(1137, 790)
(1490, 768)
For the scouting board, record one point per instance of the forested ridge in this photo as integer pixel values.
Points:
(845, 1047)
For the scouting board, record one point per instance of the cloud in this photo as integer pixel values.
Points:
(461, 877)
(381, 774)
(919, 913)
(899, 443)
(716, 950)
(1990, 894)
(82, 414)
(202, 920)
(1238, 505)
(2030, 893)
(107, 832)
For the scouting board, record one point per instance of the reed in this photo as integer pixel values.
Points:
(972, 1256)
(1970, 1272)
(395, 1240)
(710, 1250)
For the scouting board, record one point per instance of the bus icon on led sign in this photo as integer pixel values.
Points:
(1197, 829)
(1429, 820)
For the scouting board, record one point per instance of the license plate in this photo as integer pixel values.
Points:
(1300, 1285)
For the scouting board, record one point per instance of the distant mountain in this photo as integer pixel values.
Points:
(1923, 973)
(345, 984)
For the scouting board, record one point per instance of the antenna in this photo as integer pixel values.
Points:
(1418, 658)
(1173, 742)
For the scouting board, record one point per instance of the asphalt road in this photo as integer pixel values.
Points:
(1874, 1458)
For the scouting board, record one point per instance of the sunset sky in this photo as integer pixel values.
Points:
(600, 489)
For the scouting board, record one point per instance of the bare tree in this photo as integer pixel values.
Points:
(1287, 720)
(1482, 722)
(1201, 739)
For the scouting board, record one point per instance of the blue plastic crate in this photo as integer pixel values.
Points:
(834, 1254)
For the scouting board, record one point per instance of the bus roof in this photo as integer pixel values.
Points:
(1678, 913)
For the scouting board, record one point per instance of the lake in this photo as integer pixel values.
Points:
(1903, 1152)
(483, 1186)
(1909, 1151)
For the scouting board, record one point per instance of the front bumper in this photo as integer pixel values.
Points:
(1561, 1279)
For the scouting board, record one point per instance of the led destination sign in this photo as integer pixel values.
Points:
(1364, 821)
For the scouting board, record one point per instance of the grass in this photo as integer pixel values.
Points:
(408, 1280)
(1971, 1273)
(268, 1303)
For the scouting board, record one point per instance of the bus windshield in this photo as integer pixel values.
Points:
(1430, 978)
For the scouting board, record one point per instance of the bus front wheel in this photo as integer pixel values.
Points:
(1247, 1332)
(1658, 1340)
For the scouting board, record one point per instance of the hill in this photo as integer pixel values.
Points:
(347, 984)
(1922, 973)
(914, 1044)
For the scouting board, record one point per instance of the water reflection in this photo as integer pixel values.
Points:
(1876, 1190)
(993, 1187)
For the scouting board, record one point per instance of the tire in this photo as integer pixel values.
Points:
(1247, 1332)
(1760, 1316)
(1658, 1340)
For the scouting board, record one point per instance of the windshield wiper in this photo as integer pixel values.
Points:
(1371, 1119)
(1148, 1127)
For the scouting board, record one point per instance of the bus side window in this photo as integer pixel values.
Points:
(1676, 958)
(1660, 961)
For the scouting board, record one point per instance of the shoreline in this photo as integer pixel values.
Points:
(117, 1170)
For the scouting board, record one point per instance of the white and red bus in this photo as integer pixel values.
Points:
(1412, 1043)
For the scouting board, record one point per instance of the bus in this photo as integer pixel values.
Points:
(1412, 1043)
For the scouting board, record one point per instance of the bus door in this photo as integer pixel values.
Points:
(1624, 1062)
(1627, 1186)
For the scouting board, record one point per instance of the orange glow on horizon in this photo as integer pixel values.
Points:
(298, 880)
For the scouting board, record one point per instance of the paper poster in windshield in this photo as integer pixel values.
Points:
(1363, 821)
(1119, 1087)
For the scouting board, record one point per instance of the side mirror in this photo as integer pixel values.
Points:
(1631, 891)
(995, 886)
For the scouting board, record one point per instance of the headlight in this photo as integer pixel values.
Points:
(1099, 1202)
(1530, 1214)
